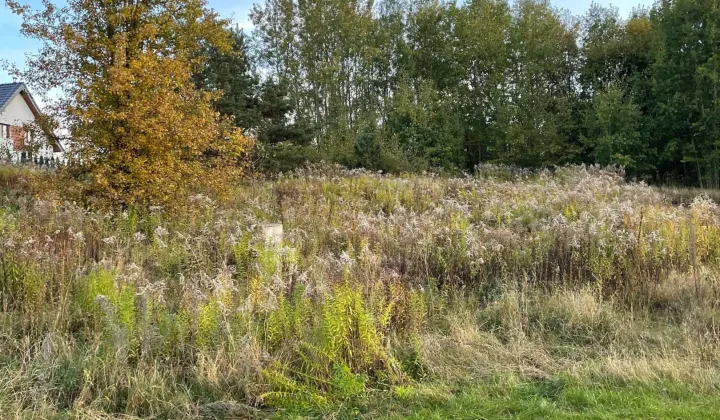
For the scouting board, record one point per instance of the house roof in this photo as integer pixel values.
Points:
(9, 90)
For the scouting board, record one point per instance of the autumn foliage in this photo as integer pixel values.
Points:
(140, 132)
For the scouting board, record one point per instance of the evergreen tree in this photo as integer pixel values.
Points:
(231, 73)
(278, 121)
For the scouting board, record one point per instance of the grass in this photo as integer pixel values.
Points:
(508, 294)
(552, 398)
(513, 397)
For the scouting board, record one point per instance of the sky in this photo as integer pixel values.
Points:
(13, 46)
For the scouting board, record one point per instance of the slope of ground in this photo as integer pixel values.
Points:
(569, 294)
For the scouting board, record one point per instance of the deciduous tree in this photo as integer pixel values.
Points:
(141, 132)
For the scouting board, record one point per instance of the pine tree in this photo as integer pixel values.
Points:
(231, 73)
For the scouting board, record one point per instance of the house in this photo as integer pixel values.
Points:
(17, 110)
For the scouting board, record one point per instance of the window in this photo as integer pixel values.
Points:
(4, 131)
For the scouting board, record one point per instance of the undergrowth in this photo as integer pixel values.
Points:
(380, 286)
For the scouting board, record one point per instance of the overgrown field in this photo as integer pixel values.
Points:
(564, 294)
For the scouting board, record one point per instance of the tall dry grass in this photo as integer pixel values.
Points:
(379, 281)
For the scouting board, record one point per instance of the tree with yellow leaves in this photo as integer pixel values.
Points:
(139, 130)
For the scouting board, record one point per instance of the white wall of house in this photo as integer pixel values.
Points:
(17, 112)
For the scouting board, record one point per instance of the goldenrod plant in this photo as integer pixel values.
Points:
(387, 294)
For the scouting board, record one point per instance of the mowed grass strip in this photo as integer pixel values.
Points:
(511, 397)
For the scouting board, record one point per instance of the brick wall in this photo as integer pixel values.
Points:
(17, 134)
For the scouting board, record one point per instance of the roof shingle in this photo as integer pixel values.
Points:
(7, 92)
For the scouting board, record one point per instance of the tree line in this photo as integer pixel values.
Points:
(401, 85)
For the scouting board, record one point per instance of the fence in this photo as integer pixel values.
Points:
(42, 155)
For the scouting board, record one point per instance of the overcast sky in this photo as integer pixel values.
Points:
(13, 46)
